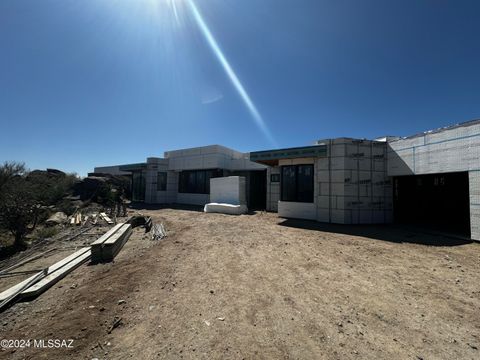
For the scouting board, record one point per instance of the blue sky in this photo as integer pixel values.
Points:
(86, 83)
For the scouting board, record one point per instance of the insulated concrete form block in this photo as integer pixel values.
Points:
(338, 217)
(228, 190)
(337, 176)
(323, 176)
(322, 163)
(323, 201)
(323, 215)
(474, 189)
(450, 150)
(193, 199)
(337, 150)
(297, 210)
(324, 188)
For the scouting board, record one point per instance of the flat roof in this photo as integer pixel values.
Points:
(133, 167)
(271, 157)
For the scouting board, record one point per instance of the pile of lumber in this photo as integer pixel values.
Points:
(109, 245)
(81, 219)
(102, 250)
(41, 281)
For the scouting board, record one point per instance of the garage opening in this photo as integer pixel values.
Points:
(439, 202)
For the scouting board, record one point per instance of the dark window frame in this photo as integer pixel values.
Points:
(162, 181)
(297, 194)
(197, 181)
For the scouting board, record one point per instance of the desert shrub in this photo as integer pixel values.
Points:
(46, 232)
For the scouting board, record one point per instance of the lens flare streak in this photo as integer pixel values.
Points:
(230, 73)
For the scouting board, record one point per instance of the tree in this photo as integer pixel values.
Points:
(19, 208)
(9, 170)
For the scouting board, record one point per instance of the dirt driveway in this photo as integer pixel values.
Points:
(256, 286)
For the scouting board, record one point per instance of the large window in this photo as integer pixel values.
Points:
(162, 181)
(297, 183)
(197, 181)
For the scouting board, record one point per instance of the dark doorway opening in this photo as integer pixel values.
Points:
(437, 201)
(256, 187)
(258, 190)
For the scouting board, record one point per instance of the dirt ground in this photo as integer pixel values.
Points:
(257, 286)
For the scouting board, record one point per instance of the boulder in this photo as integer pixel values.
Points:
(56, 219)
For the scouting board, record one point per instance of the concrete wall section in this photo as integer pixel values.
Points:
(152, 195)
(210, 157)
(297, 210)
(353, 184)
(193, 199)
(449, 150)
(112, 170)
(228, 190)
(474, 189)
(273, 189)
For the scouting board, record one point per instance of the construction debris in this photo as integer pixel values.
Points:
(140, 220)
(116, 323)
(105, 249)
(158, 232)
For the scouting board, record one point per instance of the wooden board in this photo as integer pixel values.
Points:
(106, 251)
(96, 245)
(7, 293)
(56, 276)
(106, 218)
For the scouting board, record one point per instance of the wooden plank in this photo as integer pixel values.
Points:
(53, 278)
(106, 218)
(111, 247)
(32, 280)
(5, 294)
(96, 245)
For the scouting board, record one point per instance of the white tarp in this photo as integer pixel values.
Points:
(225, 208)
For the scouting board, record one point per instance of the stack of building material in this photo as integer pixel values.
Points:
(227, 195)
(109, 245)
(41, 281)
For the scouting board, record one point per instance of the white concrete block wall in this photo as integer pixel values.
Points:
(154, 166)
(228, 190)
(297, 210)
(273, 189)
(474, 190)
(450, 150)
(210, 157)
(193, 199)
(356, 189)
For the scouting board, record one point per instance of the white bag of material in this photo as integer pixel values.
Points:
(225, 208)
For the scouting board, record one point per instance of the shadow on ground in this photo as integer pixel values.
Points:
(391, 233)
(143, 206)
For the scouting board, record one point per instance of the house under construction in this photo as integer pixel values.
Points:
(430, 179)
